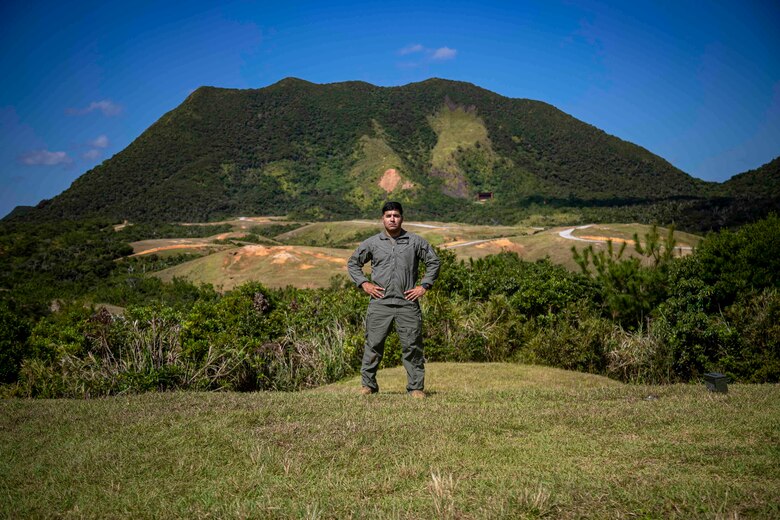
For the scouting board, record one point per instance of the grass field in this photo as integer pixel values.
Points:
(310, 255)
(273, 266)
(491, 441)
(549, 244)
(437, 233)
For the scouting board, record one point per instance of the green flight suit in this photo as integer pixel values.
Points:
(394, 266)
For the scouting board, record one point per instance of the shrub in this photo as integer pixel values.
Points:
(629, 290)
(571, 340)
(309, 359)
(14, 331)
(756, 356)
(695, 338)
(734, 262)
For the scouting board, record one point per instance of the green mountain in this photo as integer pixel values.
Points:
(338, 150)
(763, 182)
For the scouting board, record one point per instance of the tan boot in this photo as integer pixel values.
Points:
(417, 394)
(364, 390)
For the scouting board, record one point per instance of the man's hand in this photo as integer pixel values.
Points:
(373, 290)
(414, 294)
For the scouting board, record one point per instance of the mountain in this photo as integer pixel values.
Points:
(338, 150)
(762, 183)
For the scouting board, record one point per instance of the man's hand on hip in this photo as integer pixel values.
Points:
(414, 294)
(373, 290)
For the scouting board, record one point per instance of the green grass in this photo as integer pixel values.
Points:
(455, 128)
(491, 441)
(347, 232)
(327, 234)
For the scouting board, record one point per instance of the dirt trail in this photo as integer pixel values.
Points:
(567, 234)
(453, 245)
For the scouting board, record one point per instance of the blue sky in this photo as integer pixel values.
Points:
(696, 83)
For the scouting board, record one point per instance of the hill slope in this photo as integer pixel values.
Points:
(763, 182)
(311, 255)
(339, 149)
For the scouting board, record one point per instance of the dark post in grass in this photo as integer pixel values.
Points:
(716, 382)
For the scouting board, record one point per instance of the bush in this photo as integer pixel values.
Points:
(458, 330)
(738, 262)
(571, 340)
(722, 311)
(14, 331)
(629, 291)
(695, 338)
(138, 352)
(756, 356)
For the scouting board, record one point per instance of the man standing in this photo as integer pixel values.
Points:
(395, 255)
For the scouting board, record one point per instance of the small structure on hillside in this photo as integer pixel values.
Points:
(483, 196)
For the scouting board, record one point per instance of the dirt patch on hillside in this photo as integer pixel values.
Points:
(284, 257)
(391, 179)
(279, 255)
(604, 239)
(256, 251)
(323, 256)
(245, 254)
(502, 243)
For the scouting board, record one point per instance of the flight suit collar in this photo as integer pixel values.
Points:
(384, 236)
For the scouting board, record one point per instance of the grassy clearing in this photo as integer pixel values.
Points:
(437, 233)
(325, 234)
(549, 243)
(273, 266)
(492, 440)
(455, 128)
(625, 232)
(311, 243)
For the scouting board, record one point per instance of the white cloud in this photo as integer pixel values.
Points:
(100, 141)
(107, 107)
(444, 53)
(411, 49)
(91, 155)
(45, 158)
(424, 55)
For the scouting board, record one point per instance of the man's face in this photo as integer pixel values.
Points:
(392, 220)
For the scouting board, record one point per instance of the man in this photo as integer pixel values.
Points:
(395, 255)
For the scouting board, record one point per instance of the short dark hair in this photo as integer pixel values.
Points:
(391, 205)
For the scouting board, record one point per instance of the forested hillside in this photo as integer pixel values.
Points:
(335, 150)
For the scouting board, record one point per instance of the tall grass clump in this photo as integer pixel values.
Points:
(640, 356)
(309, 358)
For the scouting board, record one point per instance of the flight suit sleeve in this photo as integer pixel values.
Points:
(431, 260)
(356, 262)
